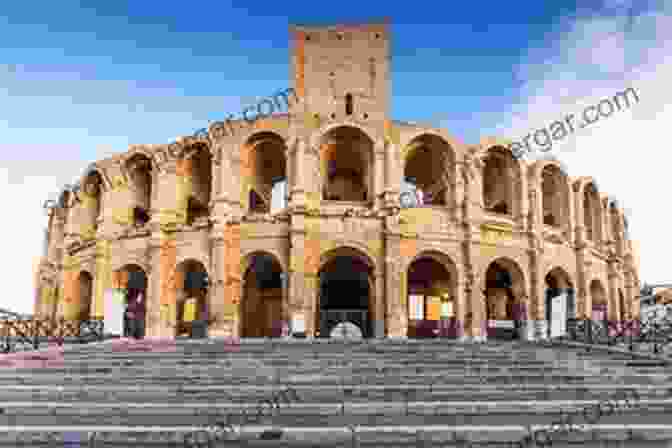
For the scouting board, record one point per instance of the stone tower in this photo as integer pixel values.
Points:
(342, 71)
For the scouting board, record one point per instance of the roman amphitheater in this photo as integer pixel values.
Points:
(295, 221)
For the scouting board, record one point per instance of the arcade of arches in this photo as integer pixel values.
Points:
(294, 223)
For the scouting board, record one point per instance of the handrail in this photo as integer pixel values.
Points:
(658, 333)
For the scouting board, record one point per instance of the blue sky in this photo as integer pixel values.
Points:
(82, 80)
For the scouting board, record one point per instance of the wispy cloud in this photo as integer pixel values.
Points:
(589, 57)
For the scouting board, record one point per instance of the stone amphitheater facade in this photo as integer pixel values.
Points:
(495, 235)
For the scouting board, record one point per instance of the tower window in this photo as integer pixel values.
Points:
(348, 104)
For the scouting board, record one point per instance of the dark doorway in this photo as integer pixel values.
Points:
(344, 295)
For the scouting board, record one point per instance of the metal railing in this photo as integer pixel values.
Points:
(657, 334)
(18, 333)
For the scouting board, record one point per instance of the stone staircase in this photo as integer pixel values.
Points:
(375, 393)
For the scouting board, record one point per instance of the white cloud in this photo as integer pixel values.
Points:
(594, 57)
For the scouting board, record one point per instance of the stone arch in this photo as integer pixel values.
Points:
(354, 268)
(262, 295)
(132, 277)
(553, 183)
(559, 282)
(140, 170)
(318, 135)
(264, 170)
(192, 285)
(275, 124)
(599, 300)
(346, 164)
(505, 293)
(351, 249)
(431, 285)
(502, 182)
(85, 286)
(194, 166)
(591, 208)
(91, 195)
(429, 166)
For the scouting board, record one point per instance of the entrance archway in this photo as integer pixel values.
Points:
(345, 293)
(192, 295)
(600, 306)
(132, 279)
(431, 284)
(559, 284)
(262, 297)
(504, 302)
(85, 284)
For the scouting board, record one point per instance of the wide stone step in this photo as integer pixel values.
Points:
(627, 435)
(330, 414)
(113, 377)
(325, 394)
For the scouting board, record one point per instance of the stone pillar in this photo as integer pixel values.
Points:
(168, 275)
(289, 164)
(217, 301)
(378, 195)
(461, 309)
(613, 309)
(103, 277)
(153, 299)
(380, 305)
(299, 188)
(233, 286)
(396, 321)
(476, 323)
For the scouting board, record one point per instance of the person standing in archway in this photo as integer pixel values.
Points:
(136, 314)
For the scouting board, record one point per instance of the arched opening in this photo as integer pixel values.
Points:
(501, 182)
(262, 297)
(555, 197)
(139, 169)
(560, 301)
(348, 104)
(592, 218)
(431, 288)
(346, 158)
(504, 301)
(91, 202)
(85, 295)
(132, 280)
(600, 305)
(429, 159)
(196, 167)
(192, 296)
(345, 295)
(266, 177)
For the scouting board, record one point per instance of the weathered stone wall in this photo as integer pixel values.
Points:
(462, 234)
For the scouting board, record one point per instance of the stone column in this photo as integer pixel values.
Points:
(613, 309)
(289, 164)
(297, 279)
(299, 188)
(461, 309)
(392, 176)
(217, 300)
(379, 175)
(477, 324)
(379, 314)
(169, 282)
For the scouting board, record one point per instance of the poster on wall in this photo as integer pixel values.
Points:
(559, 316)
(433, 308)
(114, 312)
(416, 307)
(298, 323)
